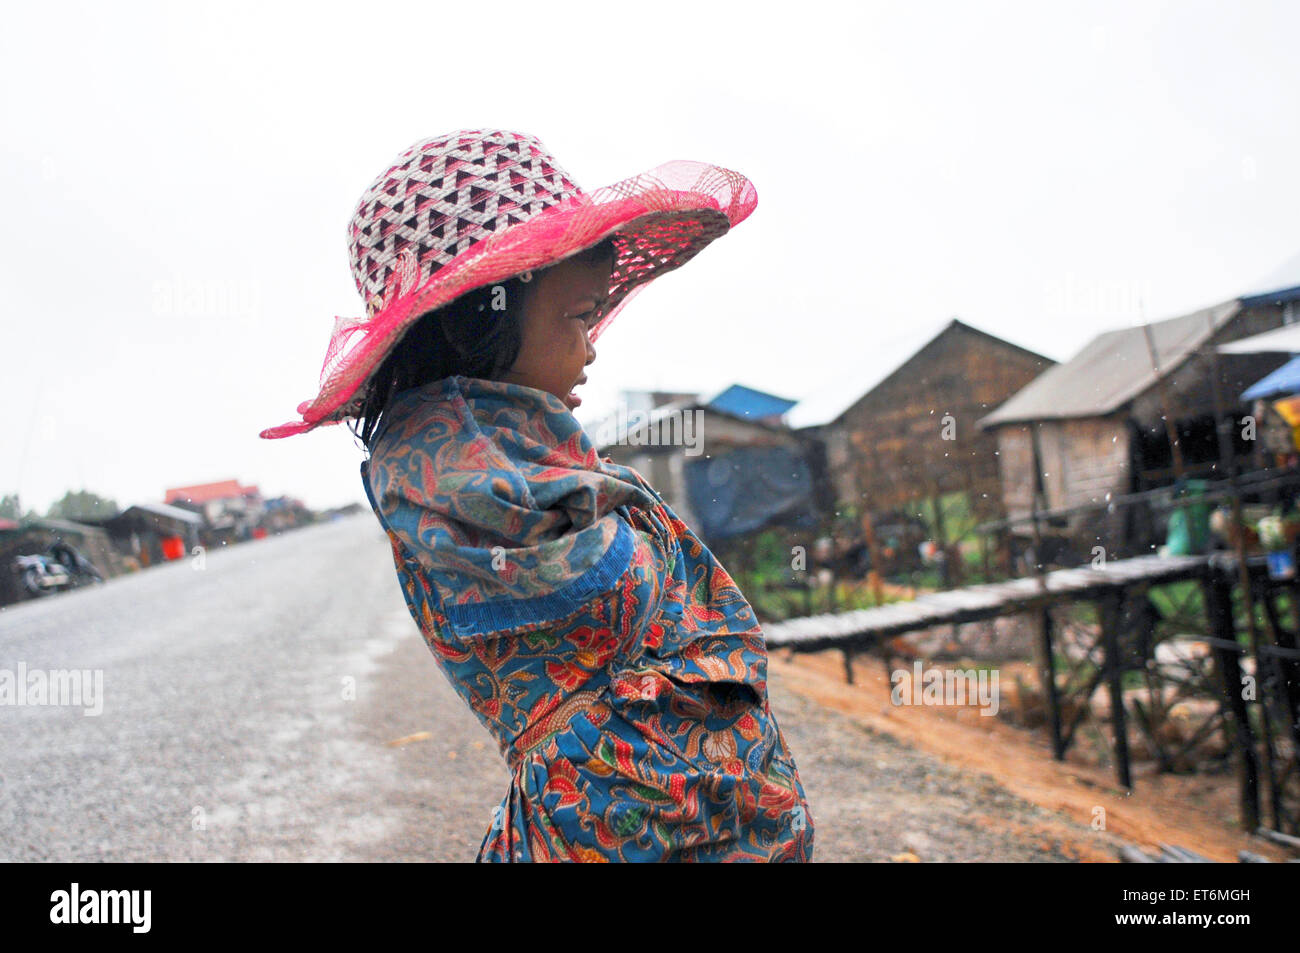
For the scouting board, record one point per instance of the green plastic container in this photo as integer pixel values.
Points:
(1189, 526)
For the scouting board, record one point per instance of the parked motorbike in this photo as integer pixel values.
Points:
(41, 576)
(83, 571)
(56, 570)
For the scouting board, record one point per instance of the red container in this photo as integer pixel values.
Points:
(173, 547)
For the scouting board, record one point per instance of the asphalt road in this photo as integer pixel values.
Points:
(248, 706)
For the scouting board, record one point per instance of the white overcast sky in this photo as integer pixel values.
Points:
(177, 180)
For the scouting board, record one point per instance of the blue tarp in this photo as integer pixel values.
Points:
(749, 488)
(1281, 383)
(741, 401)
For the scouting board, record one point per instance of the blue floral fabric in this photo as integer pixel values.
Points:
(620, 670)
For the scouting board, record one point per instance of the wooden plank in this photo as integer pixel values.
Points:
(983, 601)
(963, 599)
(1277, 837)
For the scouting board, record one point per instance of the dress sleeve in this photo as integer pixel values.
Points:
(474, 586)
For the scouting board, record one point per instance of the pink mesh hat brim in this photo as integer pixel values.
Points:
(659, 220)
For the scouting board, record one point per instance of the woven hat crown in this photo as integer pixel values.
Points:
(440, 197)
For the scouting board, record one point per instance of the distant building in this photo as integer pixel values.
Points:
(34, 536)
(726, 464)
(1094, 427)
(231, 512)
(898, 425)
(284, 512)
(151, 533)
(341, 512)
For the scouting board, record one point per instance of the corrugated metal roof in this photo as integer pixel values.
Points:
(1283, 340)
(1112, 369)
(203, 492)
(171, 512)
(63, 526)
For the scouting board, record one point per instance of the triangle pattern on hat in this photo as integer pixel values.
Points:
(445, 195)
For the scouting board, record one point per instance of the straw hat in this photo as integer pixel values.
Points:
(476, 207)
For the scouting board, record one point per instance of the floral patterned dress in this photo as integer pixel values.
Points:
(614, 660)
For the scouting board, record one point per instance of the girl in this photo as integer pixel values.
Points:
(613, 659)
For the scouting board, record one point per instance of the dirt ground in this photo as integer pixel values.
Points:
(1088, 816)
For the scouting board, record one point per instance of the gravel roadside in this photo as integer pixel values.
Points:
(872, 798)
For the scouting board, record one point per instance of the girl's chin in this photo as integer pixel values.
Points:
(572, 400)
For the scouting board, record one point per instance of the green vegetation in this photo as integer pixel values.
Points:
(82, 504)
(12, 508)
(75, 505)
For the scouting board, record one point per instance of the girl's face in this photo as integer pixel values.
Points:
(556, 319)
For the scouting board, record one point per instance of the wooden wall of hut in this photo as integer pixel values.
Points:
(891, 448)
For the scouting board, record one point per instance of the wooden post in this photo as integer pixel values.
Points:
(1006, 562)
(873, 547)
(1227, 459)
(1217, 590)
(1252, 626)
(1109, 605)
(1228, 463)
(1264, 668)
(1046, 653)
(1295, 603)
(977, 511)
(1282, 665)
(942, 534)
(1047, 670)
(1038, 500)
(1171, 430)
(848, 664)
(869, 534)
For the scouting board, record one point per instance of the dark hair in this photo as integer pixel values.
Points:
(466, 336)
(475, 335)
